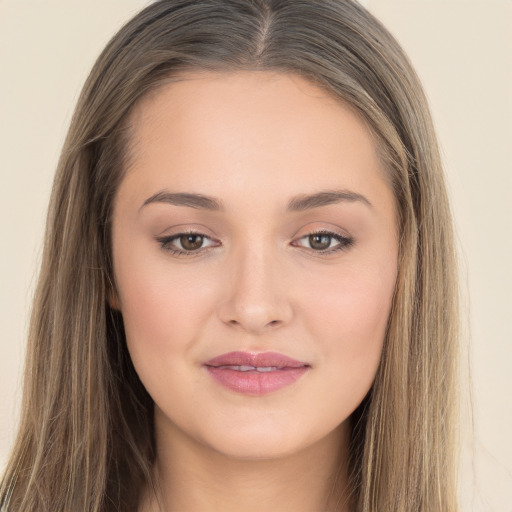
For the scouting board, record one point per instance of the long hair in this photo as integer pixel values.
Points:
(85, 441)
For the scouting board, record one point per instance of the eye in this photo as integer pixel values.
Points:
(186, 243)
(324, 242)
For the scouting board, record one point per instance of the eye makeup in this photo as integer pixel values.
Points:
(194, 243)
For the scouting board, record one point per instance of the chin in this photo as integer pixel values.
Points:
(255, 450)
(257, 443)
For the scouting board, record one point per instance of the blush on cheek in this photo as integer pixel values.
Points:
(162, 309)
(354, 316)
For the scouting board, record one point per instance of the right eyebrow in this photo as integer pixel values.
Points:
(197, 201)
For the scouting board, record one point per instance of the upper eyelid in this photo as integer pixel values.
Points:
(184, 233)
(204, 235)
(341, 239)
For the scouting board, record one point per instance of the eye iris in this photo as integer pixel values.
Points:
(320, 241)
(191, 242)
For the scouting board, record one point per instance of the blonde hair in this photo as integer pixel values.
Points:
(85, 440)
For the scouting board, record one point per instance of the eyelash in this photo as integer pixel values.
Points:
(166, 241)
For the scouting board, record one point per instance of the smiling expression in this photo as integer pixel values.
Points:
(255, 217)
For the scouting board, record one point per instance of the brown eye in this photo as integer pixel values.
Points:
(320, 241)
(183, 244)
(324, 242)
(191, 242)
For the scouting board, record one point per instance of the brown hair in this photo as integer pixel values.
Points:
(85, 440)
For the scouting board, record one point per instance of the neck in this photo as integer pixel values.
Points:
(192, 477)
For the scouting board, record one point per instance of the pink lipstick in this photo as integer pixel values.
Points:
(255, 374)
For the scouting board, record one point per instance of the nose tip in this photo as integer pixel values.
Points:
(255, 314)
(255, 301)
(251, 323)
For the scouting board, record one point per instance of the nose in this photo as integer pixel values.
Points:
(256, 298)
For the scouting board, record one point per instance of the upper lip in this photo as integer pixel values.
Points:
(264, 359)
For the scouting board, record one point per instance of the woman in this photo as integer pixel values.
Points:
(247, 298)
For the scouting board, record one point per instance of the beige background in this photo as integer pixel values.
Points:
(462, 50)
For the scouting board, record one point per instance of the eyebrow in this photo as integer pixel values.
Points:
(325, 198)
(197, 201)
(296, 204)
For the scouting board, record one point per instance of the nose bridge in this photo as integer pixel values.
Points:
(257, 299)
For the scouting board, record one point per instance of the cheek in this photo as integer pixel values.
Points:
(350, 319)
(162, 311)
(352, 304)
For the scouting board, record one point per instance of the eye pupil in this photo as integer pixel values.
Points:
(320, 241)
(191, 242)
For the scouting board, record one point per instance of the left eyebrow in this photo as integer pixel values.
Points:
(325, 198)
(296, 204)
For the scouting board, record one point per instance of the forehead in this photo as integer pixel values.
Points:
(258, 129)
(249, 98)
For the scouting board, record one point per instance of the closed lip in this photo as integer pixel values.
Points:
(263, 359)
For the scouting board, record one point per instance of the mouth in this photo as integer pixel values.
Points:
(245, 361)
(251, 368)
(255, 374)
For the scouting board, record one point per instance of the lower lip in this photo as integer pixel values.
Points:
(254, 382)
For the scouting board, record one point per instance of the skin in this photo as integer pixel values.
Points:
(252, 140)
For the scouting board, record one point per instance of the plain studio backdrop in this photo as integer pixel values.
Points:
(462, 50)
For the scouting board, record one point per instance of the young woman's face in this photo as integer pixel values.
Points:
(255, 217)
